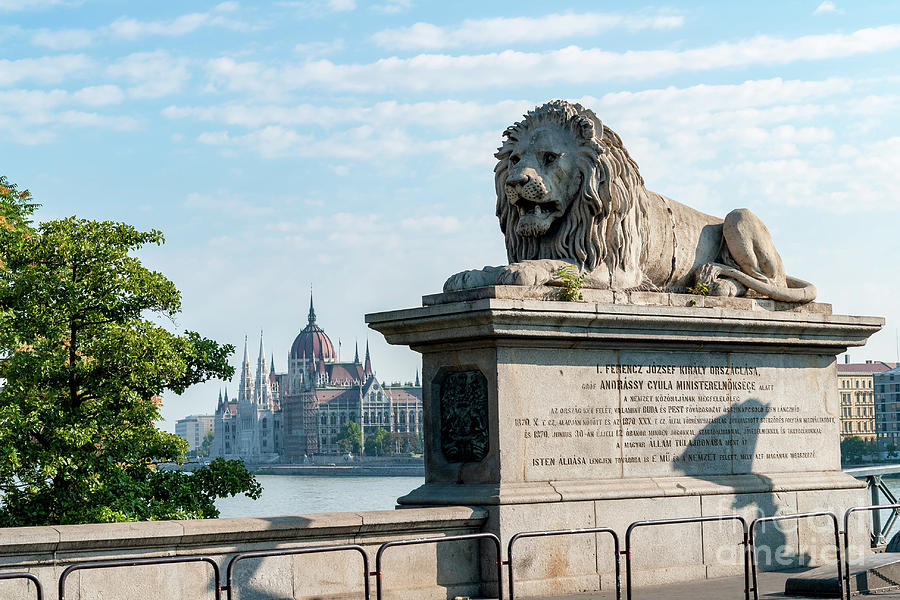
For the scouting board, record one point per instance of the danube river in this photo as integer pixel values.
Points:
(301, 494)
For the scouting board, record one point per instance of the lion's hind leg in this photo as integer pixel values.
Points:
(713, 280)
(751, 247)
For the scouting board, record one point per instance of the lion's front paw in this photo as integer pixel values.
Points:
(467, 280)
(524, 273)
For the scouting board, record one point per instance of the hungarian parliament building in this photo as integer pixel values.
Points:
(293, 416)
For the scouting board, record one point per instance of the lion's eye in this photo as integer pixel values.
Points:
(550, 158)
(514, 159)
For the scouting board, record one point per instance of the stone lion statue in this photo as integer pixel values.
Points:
(568, 193)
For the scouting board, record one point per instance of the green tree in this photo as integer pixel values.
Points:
(377, 442)
(85, 368)
(891, 450)
(206, 444)
(350, 438)
(853, 448)
(416, 443)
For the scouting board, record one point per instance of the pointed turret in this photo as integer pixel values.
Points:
(245, 390)
(262, 391)
(367, 367)
(417, 379)
(355, 353)
(226, 395)
(312, 311)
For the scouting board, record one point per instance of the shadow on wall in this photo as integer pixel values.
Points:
(736, 433)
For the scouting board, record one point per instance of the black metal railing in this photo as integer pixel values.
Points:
(875, 508)
(681, 521)
(139, 562)
(560, 532)
(837, 543)
(751, 570)
(229, 571)
(438, 540)
(27, 576)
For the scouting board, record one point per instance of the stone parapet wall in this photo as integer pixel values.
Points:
(420, 572)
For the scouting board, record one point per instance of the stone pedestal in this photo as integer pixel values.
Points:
(631, 406)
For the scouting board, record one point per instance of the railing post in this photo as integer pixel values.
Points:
(874, 483)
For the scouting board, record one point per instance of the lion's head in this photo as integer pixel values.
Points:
(566, 189)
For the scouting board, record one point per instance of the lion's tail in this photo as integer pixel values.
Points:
(797, 290)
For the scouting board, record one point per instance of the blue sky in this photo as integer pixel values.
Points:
(348, 145)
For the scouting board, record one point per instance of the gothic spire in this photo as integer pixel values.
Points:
(368, 366)
(312, 311)
(272, 369)
(261, 389)
(417, 379)
(355, 353)
(245, 390)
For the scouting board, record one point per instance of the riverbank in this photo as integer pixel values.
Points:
(360, 470)
(331, 466)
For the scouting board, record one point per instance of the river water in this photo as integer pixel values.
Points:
(299, 494)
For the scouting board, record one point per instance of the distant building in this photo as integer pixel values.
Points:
(290, 417)
(193, 429)
(857, 394)
(887, 407)
(250, 428)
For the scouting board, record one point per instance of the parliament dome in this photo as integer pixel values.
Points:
(313, 342)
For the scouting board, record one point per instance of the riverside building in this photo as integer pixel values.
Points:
(887, 407)
(292, 416)
(857, 393)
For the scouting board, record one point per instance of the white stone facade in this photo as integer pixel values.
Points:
(290, 417)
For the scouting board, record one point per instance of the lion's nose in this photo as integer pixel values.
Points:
(517, 178)
(521, 176)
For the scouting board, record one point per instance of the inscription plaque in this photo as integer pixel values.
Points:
(656, 414)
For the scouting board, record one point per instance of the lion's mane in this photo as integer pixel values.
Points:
(608, 211)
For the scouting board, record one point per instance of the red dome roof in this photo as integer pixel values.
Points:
(313, 342)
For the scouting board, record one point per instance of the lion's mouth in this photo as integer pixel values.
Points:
(537, 209)
(535, 218)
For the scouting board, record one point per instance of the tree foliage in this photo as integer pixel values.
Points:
(350, 438)
(377, 443)
(206, 444)
(85, 367)
(854, 448)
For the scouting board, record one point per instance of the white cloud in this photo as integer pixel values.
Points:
(342, 5)
(83, 119)
(62, 39)
(515, 30)
(827, 7)
(227, 6)
(320, 8)
(829, 183)
(223, 202)
(47, 69)
(99, 95)
(12, 5)
(435, 224)
(316, 49)
(443, 114)
(132, 28)
(31, 100)
(392, 7)
(567, 65)
(154, 74)
(32, 117)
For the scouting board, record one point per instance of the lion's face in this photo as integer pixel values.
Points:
(543, 178)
